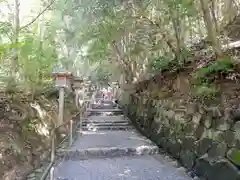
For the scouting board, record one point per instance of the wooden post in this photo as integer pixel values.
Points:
(71, 133)
(61, 105)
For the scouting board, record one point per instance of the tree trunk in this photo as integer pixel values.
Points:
(14, 60)
(210, 28)
(178, 34)
(16, 35)
(214, 17)
(229, 13)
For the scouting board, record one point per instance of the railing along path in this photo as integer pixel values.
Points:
(69, 137)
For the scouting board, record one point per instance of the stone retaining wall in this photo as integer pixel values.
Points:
(204, 140)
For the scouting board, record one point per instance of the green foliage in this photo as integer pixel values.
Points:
(185, 6)
(167, 61)
(101, 35)
(103, 75)
(5, 30)
(234, 156)
(203, 88)
(6, 47)
(37, 59)
(163, 63)
(224, 65)
(29, 125)
(205, 91)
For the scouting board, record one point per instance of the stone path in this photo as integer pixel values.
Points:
(109, 148)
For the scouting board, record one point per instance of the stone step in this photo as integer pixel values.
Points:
(104, 120)
(151, 167)
(107, 128)
(100, 120)
(119, 118)
(106, 123)
(104, 114)
(107, 101)
(107, 117)
(104, 110)
(102, 107)
(104, 101)
(148, 167)
(105, 152)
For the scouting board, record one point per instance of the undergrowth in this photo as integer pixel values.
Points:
(163, 63)
(203, 78)
(170, 62)
(221, 66)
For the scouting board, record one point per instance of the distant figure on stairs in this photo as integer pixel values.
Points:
(104, 93)
(109, 93)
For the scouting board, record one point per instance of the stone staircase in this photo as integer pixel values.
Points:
(109, 148)
(96, 123)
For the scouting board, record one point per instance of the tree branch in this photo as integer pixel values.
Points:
(164, 35)
(41, 13)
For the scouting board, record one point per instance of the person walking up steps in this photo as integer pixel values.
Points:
(104, 93)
